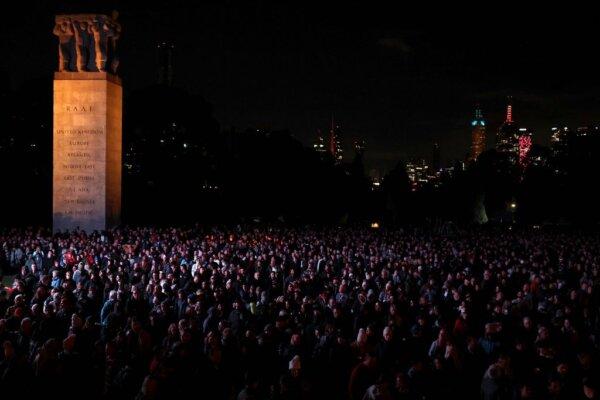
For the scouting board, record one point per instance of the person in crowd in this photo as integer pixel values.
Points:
(292, 313)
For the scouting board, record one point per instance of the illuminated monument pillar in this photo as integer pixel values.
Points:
(87, 142)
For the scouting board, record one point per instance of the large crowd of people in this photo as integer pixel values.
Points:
(313, 313)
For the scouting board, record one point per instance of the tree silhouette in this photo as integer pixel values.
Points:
(396, 187)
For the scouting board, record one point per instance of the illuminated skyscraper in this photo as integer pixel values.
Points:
(525, 142)
(360, 145)
(418, 174)
(335, 142)
(507, 139)
(558, 142)
(477, 135)
(319, 144)
(587, 131)
(584, 145)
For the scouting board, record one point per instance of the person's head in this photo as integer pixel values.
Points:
(49, 309)
(295, 366)
(185, 336)
(562, 368)
(19, 300)
(9, 350)
(149, 387)
(526, 391)
(503, 362)
(36, 310)
(172, 330)
(136, 325)
(76, 321)
(387, 334)
(361, 337)
(215, 355)
(589, 388)
(370, 331)
(337, 312)
(295, 339)
(69, 343)
(50, 347)
(554, 387)
(442, 336)
(401, 383)
(26, 326)
(489, 330)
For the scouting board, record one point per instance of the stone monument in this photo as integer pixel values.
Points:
(87, 144)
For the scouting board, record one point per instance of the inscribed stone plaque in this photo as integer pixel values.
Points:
(87, 151)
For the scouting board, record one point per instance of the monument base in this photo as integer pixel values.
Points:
(87, 149)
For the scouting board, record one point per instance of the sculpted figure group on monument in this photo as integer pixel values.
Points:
(87, 42)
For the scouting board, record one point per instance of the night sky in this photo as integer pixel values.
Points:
(401, 78)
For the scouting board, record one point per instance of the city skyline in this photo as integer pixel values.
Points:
(509, 136)
(400, 81)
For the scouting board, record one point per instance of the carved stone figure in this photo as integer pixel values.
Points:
(87, 42)
(83, 38)
(64, 30)
(115, 34)
(98, 28)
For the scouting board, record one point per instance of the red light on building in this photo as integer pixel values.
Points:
(524, 147)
